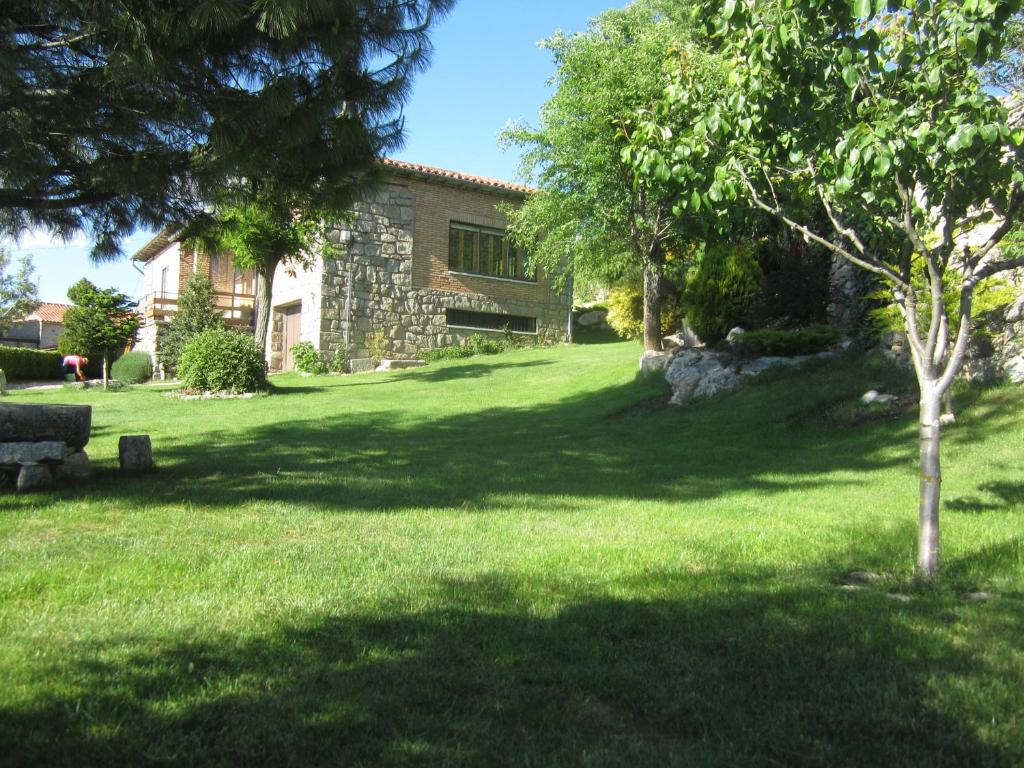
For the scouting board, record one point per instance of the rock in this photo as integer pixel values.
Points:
(652, 361)
(22, 422)
(32, 476)
(1016, 312)
(399, 365)
(362, 365)
(76, 467)
(135, 454)
(31, 453)
(734, 336)
(1015, 370)
(874, 396)
(594, 318)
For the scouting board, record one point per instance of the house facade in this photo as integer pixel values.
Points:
(39, 330)
(423, 264)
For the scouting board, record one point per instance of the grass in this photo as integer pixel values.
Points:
(517, 560)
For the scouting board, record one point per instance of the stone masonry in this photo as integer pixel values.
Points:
(395, 251)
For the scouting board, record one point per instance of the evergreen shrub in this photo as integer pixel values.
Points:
(218, 360)
(132, 368)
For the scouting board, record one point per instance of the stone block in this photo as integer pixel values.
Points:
(24, 422)
(75, 468)
(361, 365)
(31, 453)
(399, 365)
(32, 476)
(135, 454)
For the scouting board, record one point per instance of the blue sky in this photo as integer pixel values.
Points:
(487, 70)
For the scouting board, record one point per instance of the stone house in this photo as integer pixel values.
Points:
(39, 330)
(423, 264)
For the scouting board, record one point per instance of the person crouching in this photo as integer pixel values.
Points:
(75, 364)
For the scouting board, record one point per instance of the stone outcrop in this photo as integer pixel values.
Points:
(694, 374)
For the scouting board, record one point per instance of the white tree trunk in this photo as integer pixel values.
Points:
(104, 370)
(931, 480)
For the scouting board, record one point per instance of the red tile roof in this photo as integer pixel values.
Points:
(457, 176)
(49, 313)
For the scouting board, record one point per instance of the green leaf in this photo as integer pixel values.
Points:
(850, 76)
(882, 165)
(861, 8)
(695, 200)
(728, 9)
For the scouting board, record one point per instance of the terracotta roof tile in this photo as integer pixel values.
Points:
(50, 313)
(458, 176)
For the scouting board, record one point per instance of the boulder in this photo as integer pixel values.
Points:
(32, 476)
(24, 422)
(135, 454)
(652, 361)
(594, 318)
(31, 453)
(874, 396)
(734, 336)
(76, 467)
(1015, 370)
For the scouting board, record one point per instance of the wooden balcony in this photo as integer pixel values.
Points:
(236, 308)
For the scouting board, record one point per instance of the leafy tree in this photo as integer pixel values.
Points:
(594, 216)
(879, 110)
(101, 322)
(262, 228)
(196, 312)
(18, 293)
(1006, 71)
(136, 112)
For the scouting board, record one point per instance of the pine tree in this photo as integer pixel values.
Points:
(137, 112)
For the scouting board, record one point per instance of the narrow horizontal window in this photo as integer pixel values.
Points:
(490, 321)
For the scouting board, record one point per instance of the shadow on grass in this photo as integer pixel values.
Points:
(616, 443)
(721, 670)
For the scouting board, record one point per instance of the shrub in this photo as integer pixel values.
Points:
(723, 288)
(19, 364)
(802, 341)
(308, 360)
(132, 367)
(478, 344)
(626, 309)
(377, 345)
(221, 360)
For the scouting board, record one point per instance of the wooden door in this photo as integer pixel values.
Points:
(292, 318)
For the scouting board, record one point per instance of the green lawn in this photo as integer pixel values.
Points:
(517, 560)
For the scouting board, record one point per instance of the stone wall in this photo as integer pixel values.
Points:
(382, 250)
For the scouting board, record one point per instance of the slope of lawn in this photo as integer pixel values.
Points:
(518, 560)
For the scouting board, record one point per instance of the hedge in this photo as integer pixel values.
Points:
(21, 364)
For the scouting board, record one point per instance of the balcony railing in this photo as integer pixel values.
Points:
(236, 308)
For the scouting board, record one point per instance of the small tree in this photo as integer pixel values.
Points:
(878, 110)
(18, 293)
(101, 322)
(594, 216)
(196, 312)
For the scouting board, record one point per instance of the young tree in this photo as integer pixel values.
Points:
(594, 216)
(18, 292)
(262, 228)
(877, 109)
(137, 112)
(195, 313)
(101, 322)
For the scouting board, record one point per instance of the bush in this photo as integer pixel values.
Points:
(803, 341)
(221, 360)
(723, 288)
(132, 368)
(626, 309)
(308, 360)
(19, 364)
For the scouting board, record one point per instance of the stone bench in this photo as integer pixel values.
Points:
(43, 442)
